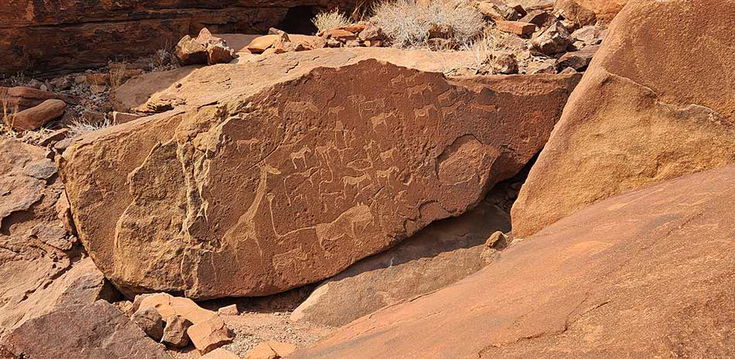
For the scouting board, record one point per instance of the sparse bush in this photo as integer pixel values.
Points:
(409, 24)
(330, 20)
(481, 49)
(117, 75)
(8, 117)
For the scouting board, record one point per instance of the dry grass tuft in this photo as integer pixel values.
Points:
(8, 117)
(407, 23)
(484, 47)
(117, 75)
(79, 127)
(330, 20)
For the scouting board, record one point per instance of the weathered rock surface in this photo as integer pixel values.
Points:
(93, 331)
(50, 37)
(645, 274)
(35, 117)
(294, 182)
(439, 255)
(174, 334)
(646, 110)
(148, 319)
(40, 265)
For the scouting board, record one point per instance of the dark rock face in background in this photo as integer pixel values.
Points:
(56, 36)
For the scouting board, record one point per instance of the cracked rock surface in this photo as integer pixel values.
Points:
(288, 184)
(652, 106)
(644, 274)
(40, 263)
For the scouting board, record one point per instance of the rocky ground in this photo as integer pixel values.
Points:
(405, 179)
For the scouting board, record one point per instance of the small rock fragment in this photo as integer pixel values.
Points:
(123, 117)
(372, 33)
(538, 17)
(503, 63)
(209, 334)
(578, 60)
(575, 12)
(150, 321)
(174, 334)
(271, 350)
(262, 43)
(516, 27)
(229, 310)
(553, 40)
(220, 354)
(54, 137)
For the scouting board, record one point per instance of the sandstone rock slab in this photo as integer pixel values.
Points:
(645, 274)
(40, 264)
(646, 110)
(296, 181)
(440, 254)
(93, 331)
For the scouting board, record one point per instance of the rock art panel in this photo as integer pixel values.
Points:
(645, 274)
(267, 191)
(645, 111)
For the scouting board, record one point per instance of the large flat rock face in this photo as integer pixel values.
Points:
(645, 274)
(651, 107)
(57, 36)
(438, 255)
(260, 193)
(40, 266)
(91, 331)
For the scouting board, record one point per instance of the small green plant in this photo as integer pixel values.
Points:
(409, 24)
(330, 20)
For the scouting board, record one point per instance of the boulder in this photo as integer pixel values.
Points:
(301, 198)
(37, 116)
(92, 331)
(439, 255)
(646, 110)
(642, 275)
(20, 98)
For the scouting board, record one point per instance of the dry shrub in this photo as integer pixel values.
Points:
(8, 117)
(80, 127)
(484, 47)
(117, 75)
(407, 23)
(330, 20)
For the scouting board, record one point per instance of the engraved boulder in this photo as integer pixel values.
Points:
(289, 184)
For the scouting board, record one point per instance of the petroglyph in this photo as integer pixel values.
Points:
(272, 190)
